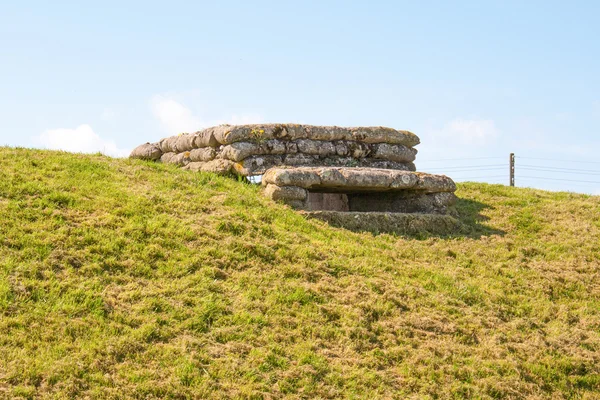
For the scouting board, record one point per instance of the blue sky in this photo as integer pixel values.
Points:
(472, 79)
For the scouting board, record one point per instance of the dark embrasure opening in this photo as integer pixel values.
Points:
(398, 201)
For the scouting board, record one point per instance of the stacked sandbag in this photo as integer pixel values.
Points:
(253, 149)
(360, 190)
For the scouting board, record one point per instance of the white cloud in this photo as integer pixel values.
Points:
(82, 139)
(177, 118)
(173, 116)
(471, 131)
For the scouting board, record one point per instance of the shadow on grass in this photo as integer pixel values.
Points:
(472, 222)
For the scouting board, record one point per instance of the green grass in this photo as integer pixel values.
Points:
(126, 279)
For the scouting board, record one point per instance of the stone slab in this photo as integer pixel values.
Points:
(352, 179)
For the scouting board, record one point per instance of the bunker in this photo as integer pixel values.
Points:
(359, 178)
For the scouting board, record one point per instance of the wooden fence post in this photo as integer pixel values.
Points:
(512, 169)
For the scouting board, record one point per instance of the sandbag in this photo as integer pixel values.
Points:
(343, 148)
(179, 159)
(203, 154)
(314, 147)
(241, 150)
(167, 157)
(205, 139)
(147, 151)
(184, 143)
(285, 192)
(393, 152)
(257, 165)
(434, 183)
(167, 145)
(218, 166)
(227, 134)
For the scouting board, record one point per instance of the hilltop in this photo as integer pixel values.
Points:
(129, 279)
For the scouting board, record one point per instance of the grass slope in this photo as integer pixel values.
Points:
(125, 279)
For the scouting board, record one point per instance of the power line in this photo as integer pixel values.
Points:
(558, 171)
(567, 169)
(556, 179)
(482, 177)
(468, 168)
(471, 166)
(461, 159)
(465, 170)
(554, 159)
(458, 169)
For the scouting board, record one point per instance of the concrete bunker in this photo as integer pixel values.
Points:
(360, 190)
(360, 178)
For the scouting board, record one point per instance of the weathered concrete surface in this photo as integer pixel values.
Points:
(393, 152)
(227, 134)
(187, 142)
(285, 193)
(351, 179)
(222, 167)
(241, 150)
(147, 151)
(180, 159)
(257, 165)
(435, 183)
(343, 148)
(259, 147)
(203, 154)
(384, 222)
(326, 201)
(310, 139)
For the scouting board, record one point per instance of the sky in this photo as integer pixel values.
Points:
(475, 80)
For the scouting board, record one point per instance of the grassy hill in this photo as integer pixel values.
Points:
(126, 279)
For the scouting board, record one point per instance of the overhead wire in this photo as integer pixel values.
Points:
(555, 159)
(533, 167)
(460, 159)
(471, 166)
(558, 171)
(556, 179)
(463, 170)
(558, 168)
(481, 177)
